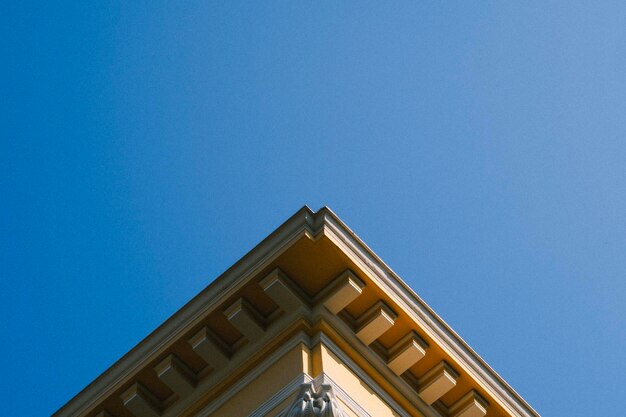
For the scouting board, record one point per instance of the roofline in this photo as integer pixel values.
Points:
(292, 229)
(304, 222)
(452, 339)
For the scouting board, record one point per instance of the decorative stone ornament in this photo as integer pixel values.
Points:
(315, 403)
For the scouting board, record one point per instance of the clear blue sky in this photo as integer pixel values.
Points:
(478, 147)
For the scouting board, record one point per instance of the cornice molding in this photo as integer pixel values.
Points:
(303, 223)
(300, 338)
(429, 321)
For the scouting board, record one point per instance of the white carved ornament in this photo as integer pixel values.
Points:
(315, 403)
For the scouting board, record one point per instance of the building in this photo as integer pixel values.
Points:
(309, 323)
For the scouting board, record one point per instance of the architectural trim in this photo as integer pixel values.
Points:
(299, 225)
(427, 319)
(310, 225)
(376, 361)
(310, 343)
(373, 385)
(300, 338)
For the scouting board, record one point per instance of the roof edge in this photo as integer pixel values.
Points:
(431, 319)
(302, 222)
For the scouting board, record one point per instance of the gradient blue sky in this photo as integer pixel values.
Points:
(478, 147)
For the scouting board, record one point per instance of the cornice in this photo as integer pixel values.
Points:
(428, 320)
(305, 223)
(302, 223)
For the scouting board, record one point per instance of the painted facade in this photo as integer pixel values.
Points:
(309, 323)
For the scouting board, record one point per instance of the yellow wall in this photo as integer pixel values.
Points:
(327, 362)
(279, 374)
(293, 364)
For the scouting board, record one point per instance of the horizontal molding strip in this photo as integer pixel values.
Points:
(300, 338)
(429, 321)
(302, 223)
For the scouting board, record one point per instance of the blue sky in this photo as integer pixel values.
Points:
(478, 148)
